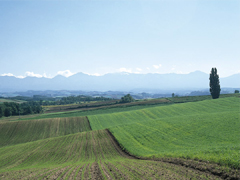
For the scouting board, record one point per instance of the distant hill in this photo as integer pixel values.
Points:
(116, 82)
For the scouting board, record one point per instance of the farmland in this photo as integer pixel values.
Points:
(86, 155)
(179, 140)
(102, 121)
(2, 100)
(27, 131)
(205, 130)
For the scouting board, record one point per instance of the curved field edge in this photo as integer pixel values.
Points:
(214, 168)
(205, 130)
(188, 137)
(87, 155)
(26, 131)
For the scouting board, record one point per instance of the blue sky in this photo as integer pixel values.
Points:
(46, 38)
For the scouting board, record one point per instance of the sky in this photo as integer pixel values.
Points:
(50, 37)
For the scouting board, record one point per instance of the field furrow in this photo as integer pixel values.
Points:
(31, 130)
(155, 143)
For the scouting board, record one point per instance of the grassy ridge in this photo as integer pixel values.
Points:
(206, 130)
(176, 110)
(32, 130)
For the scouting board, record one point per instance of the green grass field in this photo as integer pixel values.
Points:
(79, 147)
(176, 110)
(77, 113)
(75, 148)
(26, 131)
(86, 155)
(206, 130)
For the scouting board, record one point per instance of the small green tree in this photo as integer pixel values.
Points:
(214, 84)
(8, 111)
(127, 98)
(236, 91)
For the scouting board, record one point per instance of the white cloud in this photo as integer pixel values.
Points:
(157, 66)
(32, 74)
(94, 74)
(20, 77)
(148, 68)
(65, 73)
(45, 75)
(7, 74)
(139, 69)
(125, 70)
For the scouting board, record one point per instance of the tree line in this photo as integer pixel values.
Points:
(77, 99)
(10, 108)
(45, 101)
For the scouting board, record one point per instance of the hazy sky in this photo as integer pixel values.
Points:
(45, 38)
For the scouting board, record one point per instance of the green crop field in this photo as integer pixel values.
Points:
(32, 130)
(192, 133)
(87, 155)
(206, 130)
(77, 113)
(176, 110)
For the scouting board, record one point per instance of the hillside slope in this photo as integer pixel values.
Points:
(32, 130)
(104, 121)
(87, 155)
(206, 130)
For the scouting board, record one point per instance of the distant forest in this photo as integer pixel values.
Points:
(33, 105)
(13, 109)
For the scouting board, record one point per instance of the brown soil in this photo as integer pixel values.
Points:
(72, 175)
(86, 172)
(96, 172)
(119, 173)
(80, 171)
(106, 173)
(89, 126)
(215, 169)
(56, 174)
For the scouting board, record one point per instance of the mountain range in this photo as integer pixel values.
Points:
(116, 82)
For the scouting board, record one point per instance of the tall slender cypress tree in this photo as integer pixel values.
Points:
(214, 84)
